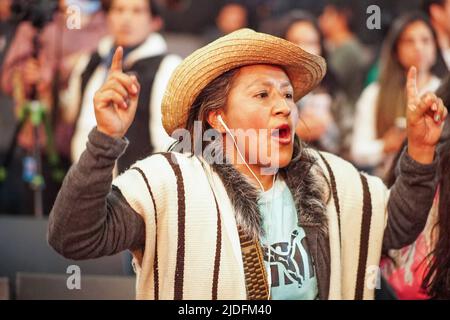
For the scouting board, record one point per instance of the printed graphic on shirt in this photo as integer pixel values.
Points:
(292, 272)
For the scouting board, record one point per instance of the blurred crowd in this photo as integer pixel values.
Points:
(58, 53)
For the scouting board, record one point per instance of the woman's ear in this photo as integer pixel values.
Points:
(213, 120)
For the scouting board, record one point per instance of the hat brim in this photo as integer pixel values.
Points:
(241, 48)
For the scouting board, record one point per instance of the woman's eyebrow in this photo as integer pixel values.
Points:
(286, 84)
(268, 83)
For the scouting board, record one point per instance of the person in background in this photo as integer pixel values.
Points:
(133, 25)
(232, 16)
(347, 57)
(59, 49)
(317, 125)
(439, 13)
(379, 126)
(421, 270)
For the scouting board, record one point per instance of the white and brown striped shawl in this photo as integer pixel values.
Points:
(193, 246)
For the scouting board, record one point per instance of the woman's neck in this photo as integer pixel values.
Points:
(265, 179)
(423, 78)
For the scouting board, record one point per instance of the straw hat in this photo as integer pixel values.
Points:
(240, 48)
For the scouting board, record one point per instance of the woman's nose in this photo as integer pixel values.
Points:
(418, 46)
(282, 107)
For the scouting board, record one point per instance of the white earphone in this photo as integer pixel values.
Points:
(239, 152)
(269, 273)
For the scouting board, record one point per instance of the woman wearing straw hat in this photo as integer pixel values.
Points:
(237, 220)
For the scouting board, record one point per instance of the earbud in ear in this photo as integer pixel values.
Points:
(219, 117)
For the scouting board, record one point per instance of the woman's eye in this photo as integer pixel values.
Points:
(262, 95)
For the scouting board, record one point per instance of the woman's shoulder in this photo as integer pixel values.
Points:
(350, 183)
(159, 171)
(332, 161)
(166, 162)
(344, 172)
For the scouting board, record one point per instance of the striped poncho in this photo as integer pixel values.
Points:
(193, 248)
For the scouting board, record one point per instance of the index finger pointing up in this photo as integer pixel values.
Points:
(411, 85)
(116, 64)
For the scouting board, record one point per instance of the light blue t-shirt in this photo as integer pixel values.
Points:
(291, 267)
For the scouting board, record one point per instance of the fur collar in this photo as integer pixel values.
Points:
(304, 179)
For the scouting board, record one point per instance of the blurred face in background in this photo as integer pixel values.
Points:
(232, 17)
(329, 20)
(306, 36)
(5, 9)
(416, 47)
(130, 21)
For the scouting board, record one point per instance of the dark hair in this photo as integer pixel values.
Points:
(426, 4)
(437, 278)
(152, 5)
(347, 9)
(212, 98)
(391, 100)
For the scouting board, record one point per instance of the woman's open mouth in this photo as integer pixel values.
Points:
(283, 134)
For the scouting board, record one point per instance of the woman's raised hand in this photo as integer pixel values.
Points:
(116, 101)
(425, 117)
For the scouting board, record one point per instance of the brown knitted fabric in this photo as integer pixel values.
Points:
(335, 194)
(254, 269)
(364, 242)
